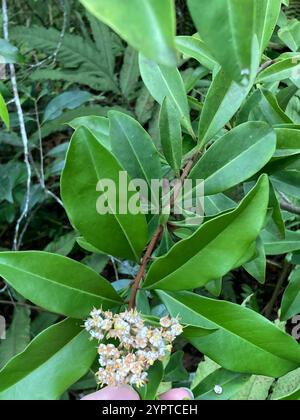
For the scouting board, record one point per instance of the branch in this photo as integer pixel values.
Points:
(145, 260)
(265, 65)
(24, 137)
(290, 207)
(270, 306)
(151, 247)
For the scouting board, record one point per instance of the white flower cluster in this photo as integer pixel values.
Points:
(138, 346)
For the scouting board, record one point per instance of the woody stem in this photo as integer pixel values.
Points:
(155, 238)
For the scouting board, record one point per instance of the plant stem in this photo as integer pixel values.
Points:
(284, 274)
(145, 260)
(290, 207)
(151, 247)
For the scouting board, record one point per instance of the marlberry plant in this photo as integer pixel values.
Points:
(222, 132)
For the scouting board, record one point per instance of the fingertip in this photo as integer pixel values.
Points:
(113, 393)
(177, 394)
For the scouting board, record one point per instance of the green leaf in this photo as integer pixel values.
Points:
(4, 112)
(130, 72)
(290, 34)
(262, 105)
(288, 142)
(256, 389)
(229, 382)
(170, 134)
(228, 29)
(162, 81)
(215, 248)
(291, 299)
(99, 126)
(67, 100)
(63, 245)
(192, 46)
(216, 204)
(276, 246)
(267, 14)
(9, 53)
(235, 157)
(148, 26)
(287, 182)
(221, 103)
(88, 163)
(155, 375)
(282, 70)
(54, 360)
(17, 336)
(258, 346)
(134, 148)
(214, 287)
(175, 371)
(257, 268)
(205, 368)
(295, 396)
(287, 385)
(57, 283)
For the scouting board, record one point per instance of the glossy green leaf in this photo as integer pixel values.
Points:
(192, 46)
(256, 389)
(175, 371)
(228, 383)
(259, 347)
(57, 283)
(257, 268)
(262, 105)
(290, 34)
(291, 299)
(99, 126)
(228, 28)
(170, 134)
(88, 163)
(4, 112)
(288, 142)
(67, 100)
(162, 82)
(287, 387)
(287, 182)
(215, 248)
(134, 148)
(216, 204)
(295, 396)
(235, 157)
(284, 69)
(221, 103)
(267, 13)
(155, 375)
(148, 26)
(276, 246)
(53, 361)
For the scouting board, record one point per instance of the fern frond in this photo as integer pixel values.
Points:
(82, 78)
(293, 10)
(75, 52)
